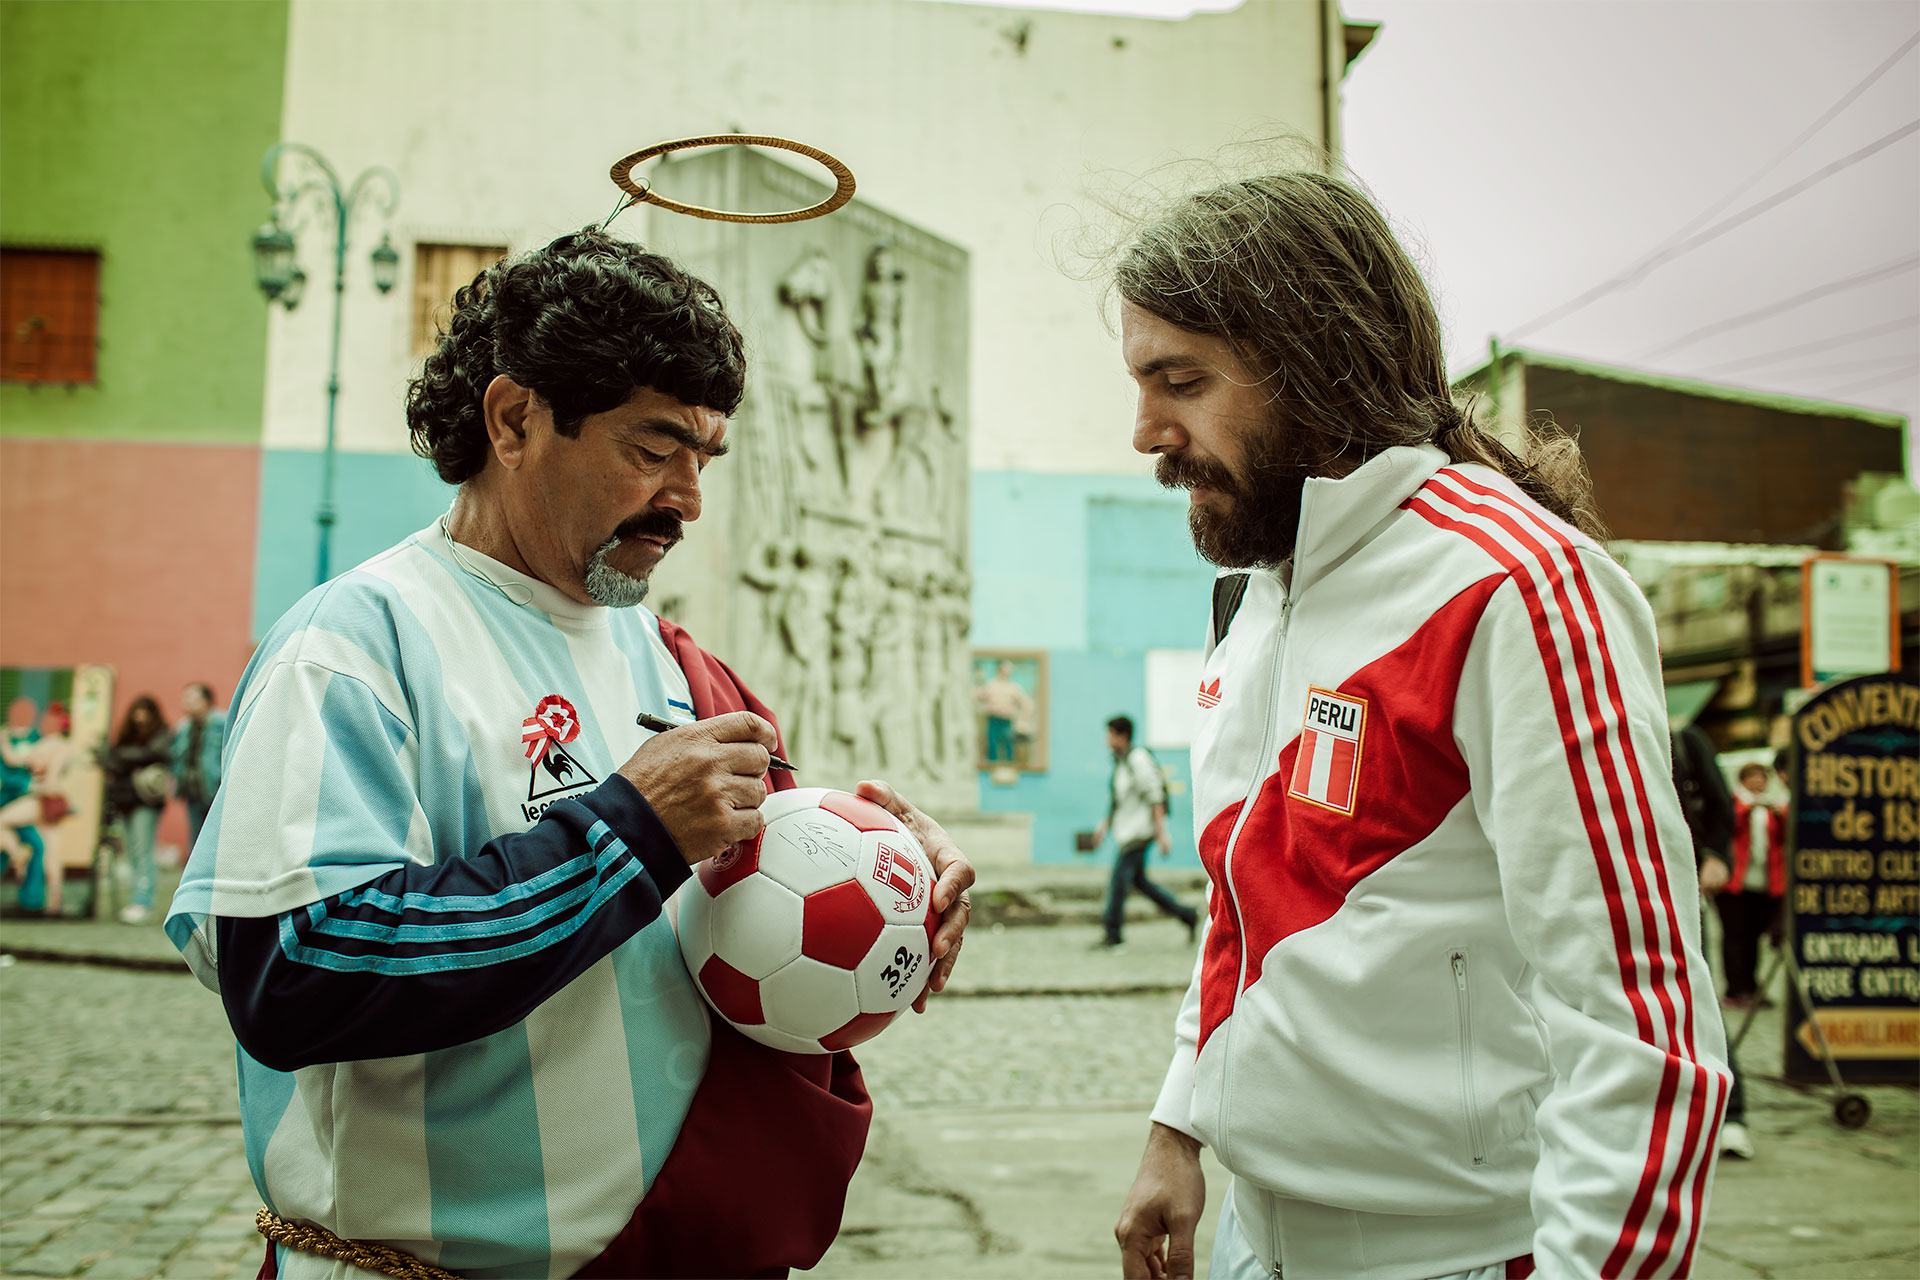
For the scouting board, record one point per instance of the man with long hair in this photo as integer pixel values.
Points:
(432, 888)
(1451, 1016)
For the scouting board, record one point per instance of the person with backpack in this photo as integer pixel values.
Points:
(1137, 816)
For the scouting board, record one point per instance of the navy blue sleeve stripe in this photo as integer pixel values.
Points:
(445, 938)
(374, 919)
(427, 957)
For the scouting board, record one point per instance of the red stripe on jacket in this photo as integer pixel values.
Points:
(1698, 1101)
(1540, 540)
(1295, 861)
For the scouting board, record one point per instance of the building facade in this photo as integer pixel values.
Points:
(132, 358)
(196, 453)
(1715, 497)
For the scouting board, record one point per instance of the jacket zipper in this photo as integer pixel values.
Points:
(1463, 1002)
(1226, 864)
(1273, 1233)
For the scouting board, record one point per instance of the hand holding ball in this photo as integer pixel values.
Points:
(814, 935)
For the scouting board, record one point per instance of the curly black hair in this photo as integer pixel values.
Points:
(582, 323)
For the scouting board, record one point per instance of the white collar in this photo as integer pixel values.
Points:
(520, 588)
(1337, 517)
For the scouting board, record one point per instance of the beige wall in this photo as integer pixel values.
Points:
(984, 125)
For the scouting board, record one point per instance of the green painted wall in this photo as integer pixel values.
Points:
(136, 128)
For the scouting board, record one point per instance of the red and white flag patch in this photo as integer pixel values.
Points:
(1331, 735)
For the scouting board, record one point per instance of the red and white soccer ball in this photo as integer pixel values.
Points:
(816, 934)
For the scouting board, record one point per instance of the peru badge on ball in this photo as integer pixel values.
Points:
(816, 934)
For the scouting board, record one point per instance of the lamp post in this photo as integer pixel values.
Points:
(295, 174)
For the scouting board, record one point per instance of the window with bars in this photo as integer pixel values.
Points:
(49, 315)
(438, 271)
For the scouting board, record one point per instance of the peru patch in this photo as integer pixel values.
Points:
(1331, 736)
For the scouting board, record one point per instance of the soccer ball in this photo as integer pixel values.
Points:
(817, 933)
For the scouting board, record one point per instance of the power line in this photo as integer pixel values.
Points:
(1806, 348)
(1844, 366)
(1867, 277)
(1678, 242)
(1846, 100)
(1718, 229)
(1879, 380)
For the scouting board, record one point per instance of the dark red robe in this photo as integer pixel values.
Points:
(757, 1180)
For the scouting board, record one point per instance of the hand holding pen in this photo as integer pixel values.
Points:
(704, 781)
(656, 724)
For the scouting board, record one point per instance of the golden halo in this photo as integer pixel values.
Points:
(639, 189)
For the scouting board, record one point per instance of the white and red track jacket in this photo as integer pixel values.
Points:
(1451, 1008)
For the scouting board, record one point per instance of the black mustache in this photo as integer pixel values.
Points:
(652, 524)
(1178, 471)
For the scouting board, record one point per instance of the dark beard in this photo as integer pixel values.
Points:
(1262, 519)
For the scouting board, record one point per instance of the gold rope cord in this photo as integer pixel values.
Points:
(639, 189)
(368, 1257)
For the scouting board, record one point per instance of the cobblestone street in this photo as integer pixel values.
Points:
(1007, 1126)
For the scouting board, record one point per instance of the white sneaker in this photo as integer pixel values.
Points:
(1736, 1141)
(133, 913)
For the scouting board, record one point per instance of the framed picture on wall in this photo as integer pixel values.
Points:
(1010, 710)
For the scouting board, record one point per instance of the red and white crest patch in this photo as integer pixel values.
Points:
(1331, 736)
(901, 872)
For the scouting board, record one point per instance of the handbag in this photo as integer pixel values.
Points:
(151, 783)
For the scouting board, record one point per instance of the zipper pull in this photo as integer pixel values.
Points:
(1459, 959)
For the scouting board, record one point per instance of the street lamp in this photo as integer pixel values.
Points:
(309, 179)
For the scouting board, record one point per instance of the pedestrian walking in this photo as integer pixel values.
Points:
(432, 888)
(138, 781)
(1137, 817)
(198, 743)
(1451, 1015)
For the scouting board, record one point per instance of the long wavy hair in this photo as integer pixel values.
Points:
(1302, 276)
(131, 734)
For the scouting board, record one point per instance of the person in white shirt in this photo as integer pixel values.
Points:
(1137, 817)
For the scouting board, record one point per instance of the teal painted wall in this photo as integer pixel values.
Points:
(136, 129)
(1115, 576)
(379, 498)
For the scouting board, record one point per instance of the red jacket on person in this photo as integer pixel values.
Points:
(1743, 847)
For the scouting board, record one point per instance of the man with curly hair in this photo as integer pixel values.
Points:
(1451, 1017)
(431, 890)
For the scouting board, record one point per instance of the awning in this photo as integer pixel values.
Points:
(1686, 700)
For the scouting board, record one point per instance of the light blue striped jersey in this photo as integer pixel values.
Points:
(381, 721)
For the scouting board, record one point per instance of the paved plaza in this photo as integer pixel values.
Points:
(1008, 1123)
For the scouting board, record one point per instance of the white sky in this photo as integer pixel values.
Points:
(1530, 150)
(1535, 148)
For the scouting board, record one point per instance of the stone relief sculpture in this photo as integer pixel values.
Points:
(847, 596)
(864, 614)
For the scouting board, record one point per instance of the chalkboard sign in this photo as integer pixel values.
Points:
(1853, 879)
